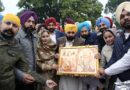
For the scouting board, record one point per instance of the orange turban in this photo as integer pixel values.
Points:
(71, 27)
(13, 18)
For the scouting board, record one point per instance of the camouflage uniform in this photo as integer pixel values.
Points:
(11, 57)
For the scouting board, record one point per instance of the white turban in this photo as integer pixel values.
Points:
(124, 5)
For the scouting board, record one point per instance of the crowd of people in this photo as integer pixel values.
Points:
(29, 51)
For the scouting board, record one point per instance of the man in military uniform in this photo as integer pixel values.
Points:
(11, 56)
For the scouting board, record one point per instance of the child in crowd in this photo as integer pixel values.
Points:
(106, 54)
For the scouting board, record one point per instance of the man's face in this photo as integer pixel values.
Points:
(125, 19)
(102, 27)
(30, 24)
(70, 35)
(51, 27)
(9, 29)
(84, 32)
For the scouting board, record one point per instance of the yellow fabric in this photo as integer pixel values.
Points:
(13, 18)
(70, 27)
(124, 5)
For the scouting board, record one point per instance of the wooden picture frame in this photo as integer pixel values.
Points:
(78, 60)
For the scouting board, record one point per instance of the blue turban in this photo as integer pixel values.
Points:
(1, 17)
(103, 20)
(84, 24)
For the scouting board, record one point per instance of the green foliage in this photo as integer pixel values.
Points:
(112, 4)
(111, 8)
(79, 10)
(1, 6)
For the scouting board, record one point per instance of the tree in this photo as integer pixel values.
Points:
(111, 8)
(1, 6)
(60, 9)
(112, 4)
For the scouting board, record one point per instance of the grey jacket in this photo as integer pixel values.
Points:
(28, 44)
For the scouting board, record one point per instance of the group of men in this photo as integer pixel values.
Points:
(17, 53)
(18, 40)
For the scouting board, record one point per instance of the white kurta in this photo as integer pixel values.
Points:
(69, 82)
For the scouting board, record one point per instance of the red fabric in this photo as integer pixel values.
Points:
(49, 20)
(58, 27)
(111, 21)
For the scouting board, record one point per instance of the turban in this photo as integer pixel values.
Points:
(103, 20)
(110, 20)
(68, 20)
(13, 18)
(26, 15)
(70, 27)
(84, 24)
(124, 5)
(1, 17)
(50, 20)
(90, 23)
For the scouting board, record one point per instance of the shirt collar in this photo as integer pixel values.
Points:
(24, 34)
(126, 35)
(4, 41)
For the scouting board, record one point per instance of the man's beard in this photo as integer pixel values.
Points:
(51, 30)
(127, 24)
(103, 29)
(29, 30)
(8, 34)
(70, 38)
(85, 36)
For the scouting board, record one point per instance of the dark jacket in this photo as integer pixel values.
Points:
(10, 57)
(121, 47)
(77, 41)
(91, 39)
(59, 34)
(100, 41)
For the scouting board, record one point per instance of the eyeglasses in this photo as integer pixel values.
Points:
(13, 24)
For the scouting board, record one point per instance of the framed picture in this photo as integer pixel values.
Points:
(79, 60)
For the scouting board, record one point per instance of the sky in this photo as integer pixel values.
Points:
(10, 6)
(104, 3)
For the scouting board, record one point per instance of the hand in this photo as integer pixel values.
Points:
(100, 73)
(61, 45)
(98, 56)
(55, 66)
(51, 84)
(28, 79)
